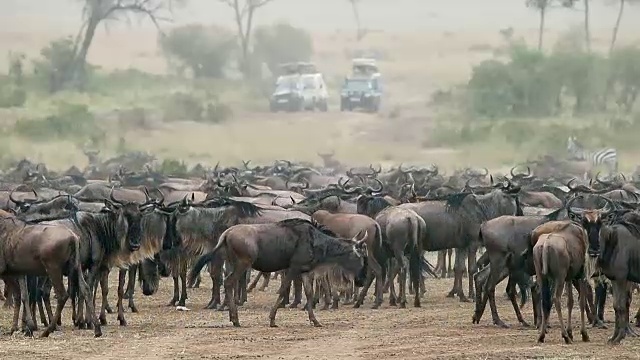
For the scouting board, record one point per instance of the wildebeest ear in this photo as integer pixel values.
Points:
(108, 206)
(609, 217)
(360, 240)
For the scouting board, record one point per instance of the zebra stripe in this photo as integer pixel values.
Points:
(605, 156)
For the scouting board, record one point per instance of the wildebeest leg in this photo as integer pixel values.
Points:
(391, 275)
(402, 282)
(104, 286)
(131, 287)
(176, 292)
(131, 283)
(497, 273)
(600, 299)
(255, 281)
(297, 292)
(215, 273)
(122, 277)
(230, 285)
(511, 291)
(637, 317)
(14, 292)
(558, 287)
(569, 292)
(545, 296)
(327, 290)
(442, 255)
(630, 331)
(588, 293)
(451, 268)
(55, 274)
(84, 292)
(265, 282)
(363, 292)
(620, 292)
(24, 296)
(472, 267)
(308, 291)
(583, 302)
(183, 292)
(286, 279)
(461, 255)
(46, 299)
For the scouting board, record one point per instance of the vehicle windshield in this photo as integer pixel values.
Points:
(286, 84)
(357, 85)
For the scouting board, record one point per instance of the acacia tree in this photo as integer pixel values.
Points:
(541, 6)
(360, 32)
(96, 12)
(244, 11)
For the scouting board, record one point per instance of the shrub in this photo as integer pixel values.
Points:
(186, 106)
(12, 96)
(55, 69)
(204, 51)
(281, 43)
(70, 122)
(173, 167)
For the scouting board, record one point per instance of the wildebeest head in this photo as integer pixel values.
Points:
(127, 217)
(149, 275)
(591, 220)
(24, 204)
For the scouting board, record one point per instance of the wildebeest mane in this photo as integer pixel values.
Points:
(372, 204)
(245, 209)
(312, 225)
(100, 227)
(630, 221)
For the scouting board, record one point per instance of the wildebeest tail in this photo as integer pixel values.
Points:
(546, 295)
(378, 235)
(545, 259)
(205, 259)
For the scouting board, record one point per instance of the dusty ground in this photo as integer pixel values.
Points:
(440, 329)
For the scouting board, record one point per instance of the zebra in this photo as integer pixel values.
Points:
(605, 156)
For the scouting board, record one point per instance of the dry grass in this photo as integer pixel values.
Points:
(414, 65)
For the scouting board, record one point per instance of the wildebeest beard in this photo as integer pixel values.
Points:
(149, 276)
(105, 228)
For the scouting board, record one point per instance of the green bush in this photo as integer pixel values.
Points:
(55, 70)
(12, 96)
(70, 122)
(173, 167)
(187, 106)
(282, 43)
(204, 51)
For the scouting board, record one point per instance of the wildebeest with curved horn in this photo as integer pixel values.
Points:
(455, 223)
(297, 245)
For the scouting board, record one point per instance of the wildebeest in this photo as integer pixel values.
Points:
(614, 241)
(42, 250)
(297, 245)
(559, 258)
(455, 223)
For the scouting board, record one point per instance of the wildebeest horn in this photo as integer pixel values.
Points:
(600, 181)
(374, 171)
(623, 177)
(146, 195)
(486, 172)
(350, 172)
(112, 198)
(606, 209)
(15, 201)
(511, 172)
(362, 239)
(372, 190)
(571, 201)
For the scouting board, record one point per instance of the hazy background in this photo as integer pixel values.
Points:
(329, 15)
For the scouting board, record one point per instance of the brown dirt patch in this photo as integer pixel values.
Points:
(440, 329)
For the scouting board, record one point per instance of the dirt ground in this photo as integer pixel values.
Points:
(440, 329)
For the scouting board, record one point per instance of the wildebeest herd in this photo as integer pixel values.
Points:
(328, 230)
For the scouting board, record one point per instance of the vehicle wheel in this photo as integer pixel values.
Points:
(322, 106)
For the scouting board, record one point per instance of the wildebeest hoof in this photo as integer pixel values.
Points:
(375, 306)
(451, 294)
(294, 306)
(541, 339)
(403, 305)
(525, 324)
(172, 303)
(316, 323)
(103, 321)
(474, 319)
(273, 324)
(631, 332)
(236, 323)
(81, 325)
(570, 334)
(585, 336)
(109, 309)
(501, 324)
(356, 305)
(567, 339)
(134, 309)
(599, 324)
(123, 322)
(465, 299)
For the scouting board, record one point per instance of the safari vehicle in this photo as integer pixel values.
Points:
(287, 95)
(299, 87)
(364, 67)
(314, 92)
(360, 92)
